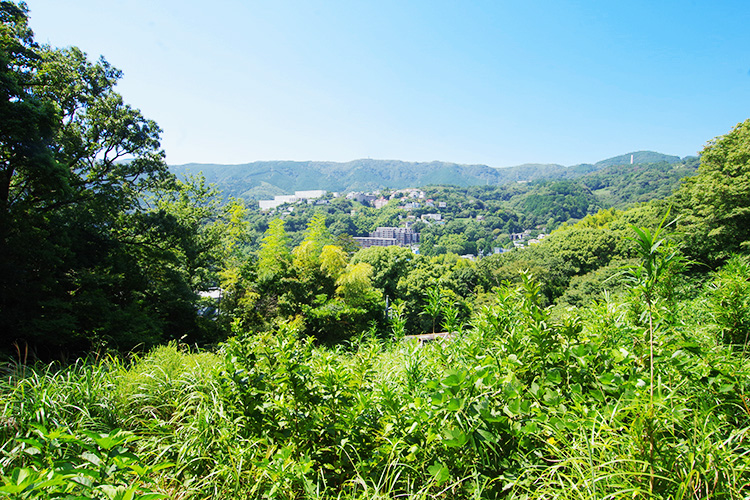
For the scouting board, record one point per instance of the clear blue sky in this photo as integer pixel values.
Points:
(492, 82)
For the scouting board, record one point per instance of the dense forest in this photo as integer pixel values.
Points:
(163, 341)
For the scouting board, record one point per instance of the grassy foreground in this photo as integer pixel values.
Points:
(637, 397)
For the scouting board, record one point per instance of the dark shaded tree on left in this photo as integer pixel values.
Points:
(28, 173)
(85, 262)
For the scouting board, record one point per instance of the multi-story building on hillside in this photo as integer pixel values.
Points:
(388, 236)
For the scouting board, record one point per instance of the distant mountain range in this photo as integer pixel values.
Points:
(265, 179)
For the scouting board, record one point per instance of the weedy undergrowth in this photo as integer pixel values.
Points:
(592, 403)
(60, 464)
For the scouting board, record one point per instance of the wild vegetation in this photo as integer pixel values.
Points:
(608, 361)
(632, 396)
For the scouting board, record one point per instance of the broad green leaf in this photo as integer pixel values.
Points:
(487, 436)
(554, 377)
(455, 438)
(530, 428)
(455, 378)
(513, 408)
(439, 472)
(454, 404)
(92, 458)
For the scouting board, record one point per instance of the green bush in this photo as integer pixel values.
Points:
(730, 302)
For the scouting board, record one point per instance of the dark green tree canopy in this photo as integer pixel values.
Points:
(85, 261)
(28, 172)
(715, 205)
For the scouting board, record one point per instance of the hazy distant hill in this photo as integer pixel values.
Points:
(638, 158)
(267, 178)
(264, 179)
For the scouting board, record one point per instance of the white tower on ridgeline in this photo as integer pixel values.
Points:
(631, 159)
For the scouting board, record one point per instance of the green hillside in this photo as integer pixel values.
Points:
(620, 185)
(259, 179)
(638, 157)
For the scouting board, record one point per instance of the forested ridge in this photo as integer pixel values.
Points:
(608, 360)
(265, 179)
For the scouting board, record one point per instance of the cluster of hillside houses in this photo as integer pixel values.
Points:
(382, 236)
(411, 199)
